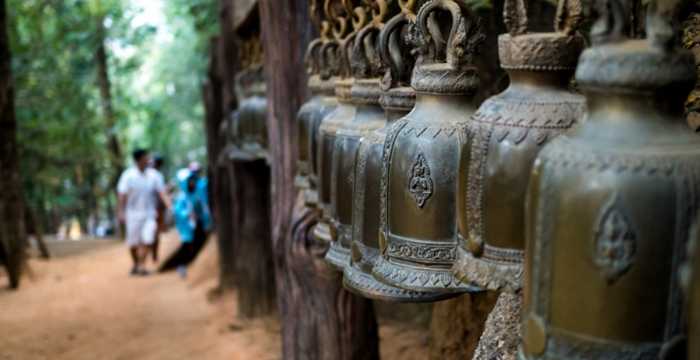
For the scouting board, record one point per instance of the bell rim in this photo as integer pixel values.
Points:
(364, 284)
(338, 256)
(486, 274)
(455, 286)
(322, 232)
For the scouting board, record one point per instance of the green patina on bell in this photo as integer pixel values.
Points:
(249, 120)
(323, 101)
(343, 113)
(611, 202)
(503, 140)
(369, 115)
(418, 225)
(394, 61)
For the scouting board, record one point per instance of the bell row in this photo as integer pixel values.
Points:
(581, 204)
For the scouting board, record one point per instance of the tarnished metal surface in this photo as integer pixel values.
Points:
(249, 121)
(418, 226)
(395, 63)
(503, 140)
(341, 46)
(611, 202)
(369, 116)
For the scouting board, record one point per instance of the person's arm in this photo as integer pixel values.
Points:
(121, 200)
(165, 199)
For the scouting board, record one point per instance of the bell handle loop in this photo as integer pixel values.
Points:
(340, 28)
(384, 44)
(456, 10)
(327, 47)
(569, 16)
(662, 23)
(612, 20)
(325, 30)
(359, 19)
(310, 61)
(347, 6)
(328, 10)
(515, 17)
(380, 9)
(314, 19)
(408, 6)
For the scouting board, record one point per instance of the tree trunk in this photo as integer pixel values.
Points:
(458, 323)
(252, 248)
(217, 170)
(501, 336)
(14, 235)
(320, 319)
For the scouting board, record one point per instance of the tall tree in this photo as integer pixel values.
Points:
(13, 234)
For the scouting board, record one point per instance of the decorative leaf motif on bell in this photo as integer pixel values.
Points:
(369, 115)
(418, 235)
(615, 240)
(611, 202)
(504, 138)
(392, 58)
(420, 185)
(341, 47)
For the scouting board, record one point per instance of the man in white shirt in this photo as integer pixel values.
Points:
(137, 207)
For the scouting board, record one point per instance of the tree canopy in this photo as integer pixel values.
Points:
(155, 72)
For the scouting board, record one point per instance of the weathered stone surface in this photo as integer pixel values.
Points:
(501, 336)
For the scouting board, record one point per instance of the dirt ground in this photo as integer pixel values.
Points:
(83, 305)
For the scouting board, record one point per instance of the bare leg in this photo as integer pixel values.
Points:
(134, 256)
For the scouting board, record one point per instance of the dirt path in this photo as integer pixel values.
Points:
(86, 307)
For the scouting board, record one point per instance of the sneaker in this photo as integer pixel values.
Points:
(144, 272)
(134, 271)
(182, 271)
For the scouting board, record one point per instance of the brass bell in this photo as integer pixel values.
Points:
(249, 122)
(343, 113)
(397, 98)
(611, 202)
(503, 140)
(369, 116)
(323, 101)
(418, 225)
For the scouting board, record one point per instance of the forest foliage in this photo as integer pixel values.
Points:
(155, 71)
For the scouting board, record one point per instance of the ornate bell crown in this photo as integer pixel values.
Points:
(616, 63)
(445, 66)
(250, 82)
(394, 63)
(364, 91)
(317, 63)
(520, 50)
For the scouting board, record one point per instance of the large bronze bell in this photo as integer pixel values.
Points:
(369, 116)
(397, 98)
(249, 120)
(343, 113)
(418, 225)
(611, 202)
(503, 140)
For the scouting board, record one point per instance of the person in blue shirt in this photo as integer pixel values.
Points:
(202, 182)
(192, 218)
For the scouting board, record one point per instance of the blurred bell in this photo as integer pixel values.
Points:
(611, 202)
(503, 140)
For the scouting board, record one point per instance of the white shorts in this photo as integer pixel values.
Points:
(140, 231)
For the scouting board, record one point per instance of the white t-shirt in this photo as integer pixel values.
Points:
(140, 188)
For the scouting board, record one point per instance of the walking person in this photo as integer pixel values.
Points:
(137, 207)
(157, 164)
(192, 218)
